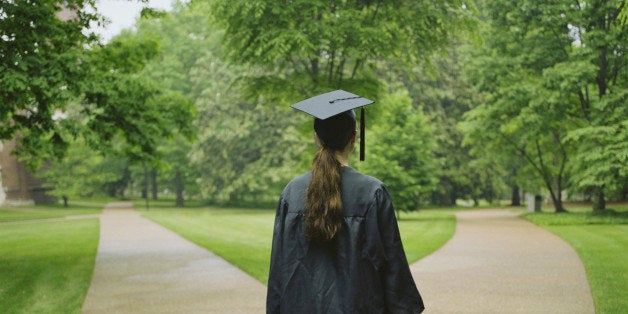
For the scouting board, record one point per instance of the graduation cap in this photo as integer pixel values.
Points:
(333, 103)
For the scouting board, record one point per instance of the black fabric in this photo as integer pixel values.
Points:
(363, 270)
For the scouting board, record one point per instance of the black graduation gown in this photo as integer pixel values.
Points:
(363, 270)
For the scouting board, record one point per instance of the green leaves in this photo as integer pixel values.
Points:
(399, 153)
(47, 61)
(334, 42)
(557, 102)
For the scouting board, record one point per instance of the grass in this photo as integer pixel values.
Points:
(33, 212)
(425, 231)
(243, 236)
(601, 241)
(46, 266)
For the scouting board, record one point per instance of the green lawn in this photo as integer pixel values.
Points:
(31, 212)
(243, 236)
(425, 231)
(46, 267)
(601, 240)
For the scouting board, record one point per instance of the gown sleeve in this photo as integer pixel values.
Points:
(273, 296)
(401, 293)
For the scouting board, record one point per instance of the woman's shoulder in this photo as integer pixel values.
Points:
(360, 183)
(298, 183)
(353, 176)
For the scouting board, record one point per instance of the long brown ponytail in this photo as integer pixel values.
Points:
(324, 201)
(324, 212)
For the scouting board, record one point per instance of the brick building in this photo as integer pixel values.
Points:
(18, 185)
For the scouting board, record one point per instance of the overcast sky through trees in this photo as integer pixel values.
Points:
(122, 14)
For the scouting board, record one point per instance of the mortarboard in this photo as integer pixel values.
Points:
(333, 103)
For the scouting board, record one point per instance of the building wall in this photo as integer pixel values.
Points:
(19, 186)
(2, 194)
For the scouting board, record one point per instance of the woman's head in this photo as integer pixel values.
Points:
(337, 131)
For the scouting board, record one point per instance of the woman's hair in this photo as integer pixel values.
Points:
(323, 210)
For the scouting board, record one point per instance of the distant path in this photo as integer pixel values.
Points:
(500, 263)
(143, 267)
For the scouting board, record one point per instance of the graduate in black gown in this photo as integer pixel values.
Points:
(336, 245)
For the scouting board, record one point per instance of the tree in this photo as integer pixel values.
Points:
(84, 173)
(126, 110)
(598, 77)
(42, 46)
(176, 171)
(536, 70)
(308, 44)
(445, 94)
(53, 65)
(400, 151)
(302, 48)
(244, 150)
(186, 41)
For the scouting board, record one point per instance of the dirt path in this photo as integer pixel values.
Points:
(499, 263)
(142, 267)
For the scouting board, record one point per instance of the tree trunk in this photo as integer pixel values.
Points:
(153, 176)
(558, 201)
(145, 185)
(515, 200)
(178, 186)
(599, 201)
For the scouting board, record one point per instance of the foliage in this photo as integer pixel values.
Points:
(536, 70)
(400, 151)
(122, 117)
(57, 63)
(41, 56)
(307, 47)
(46, 266)
(131, 113)
(186, 41)
(185, 38)
(307, 44)
(546, 89)
(85, 173)
(445, 94)
(244, 150)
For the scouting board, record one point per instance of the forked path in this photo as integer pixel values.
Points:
(497, 262)
(142, 267)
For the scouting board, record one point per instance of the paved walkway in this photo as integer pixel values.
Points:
(142, 267)
(495, 263)
(499, 263)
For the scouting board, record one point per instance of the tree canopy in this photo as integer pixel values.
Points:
(58, 82)
(308, 44)
(554, 77)
(534, 101)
